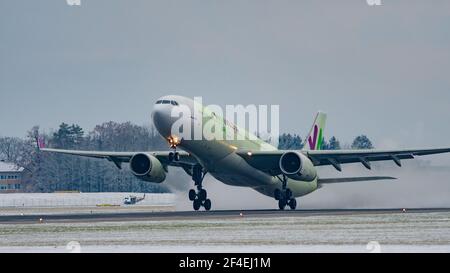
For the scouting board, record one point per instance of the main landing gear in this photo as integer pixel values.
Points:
(284, 196)
(199, 198)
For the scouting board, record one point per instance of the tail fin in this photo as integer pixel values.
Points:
(40, 142)
(315, 137)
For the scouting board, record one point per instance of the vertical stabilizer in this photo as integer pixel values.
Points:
(315, 137)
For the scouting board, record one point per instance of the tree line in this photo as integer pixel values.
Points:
(295, 142)
(49, 172)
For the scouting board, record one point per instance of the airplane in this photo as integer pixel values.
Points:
(281, 174)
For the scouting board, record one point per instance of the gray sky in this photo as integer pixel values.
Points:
(382, 71)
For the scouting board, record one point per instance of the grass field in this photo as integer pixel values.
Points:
(398, 232)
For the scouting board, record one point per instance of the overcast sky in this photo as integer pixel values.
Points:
(383, 71)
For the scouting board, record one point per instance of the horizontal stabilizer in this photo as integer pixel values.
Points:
(354, 179)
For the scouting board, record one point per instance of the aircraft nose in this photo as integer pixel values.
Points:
(162, 119)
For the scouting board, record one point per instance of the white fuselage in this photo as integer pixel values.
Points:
(218, 157)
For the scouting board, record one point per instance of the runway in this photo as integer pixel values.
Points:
(194, 215)
(338, 230)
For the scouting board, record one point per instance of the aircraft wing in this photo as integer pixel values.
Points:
(354, 179)
(117, 158)
(268, 161)
(338, 157)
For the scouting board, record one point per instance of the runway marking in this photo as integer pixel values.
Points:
(231, 214)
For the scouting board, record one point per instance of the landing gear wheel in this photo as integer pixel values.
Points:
(284, 195)
(293, 203)
(207, 204)
(202, 195)
(192, 195)
(199, 196)
(277, 194)
(197, 204)
(174, 156)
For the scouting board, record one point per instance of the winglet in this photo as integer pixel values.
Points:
(315, 137)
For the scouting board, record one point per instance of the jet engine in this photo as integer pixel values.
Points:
(148, 168)
(297, 166)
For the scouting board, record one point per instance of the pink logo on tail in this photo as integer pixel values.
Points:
(41, 143)
(312, 142)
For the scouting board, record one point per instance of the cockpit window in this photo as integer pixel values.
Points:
(167, 102)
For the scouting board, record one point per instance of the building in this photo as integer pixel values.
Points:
(10, 177)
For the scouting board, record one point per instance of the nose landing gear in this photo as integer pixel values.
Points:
(199, 198)
(174, 156)
(285, 196)
(173, 143)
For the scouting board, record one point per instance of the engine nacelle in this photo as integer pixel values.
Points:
(297, 166)
(148, 168)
